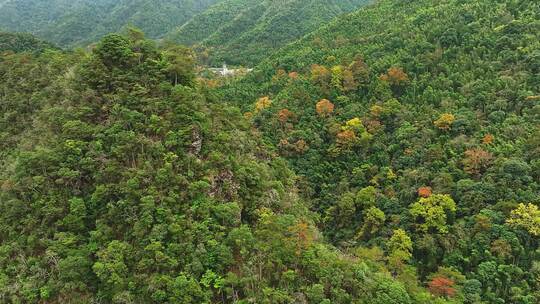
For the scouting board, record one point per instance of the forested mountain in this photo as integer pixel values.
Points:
(235, 31)
(391, 156)
(247, 31)
(124, 181)
(17, 42)
(80, 22)
(421, 117)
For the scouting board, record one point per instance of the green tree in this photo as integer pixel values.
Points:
(433, 212)
(374, 219)
(400, 249)
(181, 64)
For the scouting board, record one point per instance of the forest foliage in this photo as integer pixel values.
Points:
(123, 180)
(419, 123)
(389, 157)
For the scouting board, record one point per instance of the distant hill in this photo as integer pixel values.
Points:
(80, 22)
(235, 31)
(246, 31)
(22, 42)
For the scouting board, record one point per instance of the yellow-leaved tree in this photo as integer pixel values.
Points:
(526, 217)
(263, 103)
(445, 121)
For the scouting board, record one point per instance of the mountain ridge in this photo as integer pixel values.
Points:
(259, 28)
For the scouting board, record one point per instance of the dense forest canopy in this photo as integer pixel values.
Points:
(124, 181)
(390, 156)
(422, 116)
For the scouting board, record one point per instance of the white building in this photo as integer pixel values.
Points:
(225, 71)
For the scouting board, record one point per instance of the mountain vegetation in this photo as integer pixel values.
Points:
(81, 22)
(390, 156)
(247, 31)
(124, 181)
(236, 31)
(420, 117)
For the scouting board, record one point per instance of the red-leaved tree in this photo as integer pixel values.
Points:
(442, 287)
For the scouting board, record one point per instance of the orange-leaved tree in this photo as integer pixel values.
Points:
(395, 76)
(424, 191)
(324, 107)
(284, 115)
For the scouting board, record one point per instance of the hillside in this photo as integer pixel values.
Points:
(80, 22)
(422, 116)
(123, 180)
(247, 31)
(235, 31)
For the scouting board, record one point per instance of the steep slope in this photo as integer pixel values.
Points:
(423, 116)
(203, 25)
(123, 181)
(246, 31)
(37, 16)
(79, 22)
